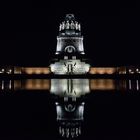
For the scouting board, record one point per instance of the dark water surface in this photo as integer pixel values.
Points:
(99, 109)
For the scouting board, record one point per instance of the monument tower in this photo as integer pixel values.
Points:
(70, 50)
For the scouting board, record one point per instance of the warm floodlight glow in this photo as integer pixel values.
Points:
(102, 84)
(36, 70)
(103, 70)
(32, 84)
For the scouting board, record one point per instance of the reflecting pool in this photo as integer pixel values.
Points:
(69, 109)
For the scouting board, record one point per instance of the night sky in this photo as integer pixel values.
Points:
(29, 29)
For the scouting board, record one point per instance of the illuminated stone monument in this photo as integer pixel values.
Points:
(70, 50)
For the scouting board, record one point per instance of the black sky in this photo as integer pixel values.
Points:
(29, 29)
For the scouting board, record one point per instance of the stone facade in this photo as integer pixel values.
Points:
(69, 49)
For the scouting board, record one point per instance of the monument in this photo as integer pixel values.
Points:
(70, 55)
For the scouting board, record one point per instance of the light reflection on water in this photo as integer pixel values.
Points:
(70, 92)
(71, 86)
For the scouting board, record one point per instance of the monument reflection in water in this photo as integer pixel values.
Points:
(69, 97)
(69, 103)
(71, 87)
(70, 109)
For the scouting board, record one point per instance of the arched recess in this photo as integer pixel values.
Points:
(70, 49)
